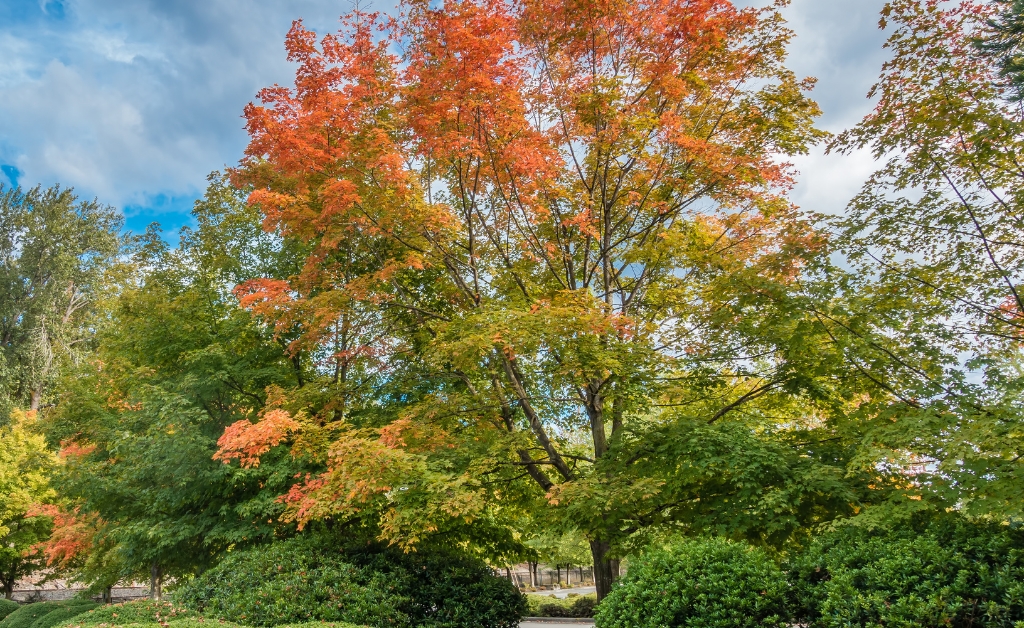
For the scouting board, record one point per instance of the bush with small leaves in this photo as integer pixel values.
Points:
(705, 583)
(64, 613)
(315, 578)
(936, 570)
(7, 607)
(294, 581)
(580, 606)
(29, 615)
(138, 612)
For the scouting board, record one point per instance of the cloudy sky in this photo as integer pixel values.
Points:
(135, 101)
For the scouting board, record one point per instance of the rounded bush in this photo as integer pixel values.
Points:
(25, 616)
(64, 613)
(137, 612)
(943, 571)
(7, 607)
(706, 583)
(309, 579)
(293, 581)
(447, 589)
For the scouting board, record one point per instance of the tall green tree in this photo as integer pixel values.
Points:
(176, 361)
(937, 237)
(1005, 41)
(54, 250)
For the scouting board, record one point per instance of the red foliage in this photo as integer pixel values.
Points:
(247, 441)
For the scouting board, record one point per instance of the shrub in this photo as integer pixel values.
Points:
(710, 583)
(7, 607)
(933, 571)
(550, 606)
(294, 581)
(25, 616)
(447, 589)
(309, 579)
(65, 612)
(138, 612)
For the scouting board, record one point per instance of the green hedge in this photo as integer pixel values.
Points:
(29, 615)
(573, 606)
(447, 589)
(63, 614)
(708, 583)
(311, 578)
(138, 612)
(7, 607)
(148, 614)
(933, 571)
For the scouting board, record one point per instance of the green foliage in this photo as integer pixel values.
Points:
(54, 251)
(7, 607)
(25, 468)
(61, 615)
(1006, 43)
(572, 606)
(447, 588)
(176, 362)
(706, 583)
(25, 616)
(568, 548)
(139, 612)
(934, 239)
(310, 579)
(929, 571)
(292, 582)
(38, 615)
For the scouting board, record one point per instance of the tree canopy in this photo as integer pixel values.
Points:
(54, 250)
(506, 276)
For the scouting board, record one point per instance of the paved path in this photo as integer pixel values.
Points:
(553, 622)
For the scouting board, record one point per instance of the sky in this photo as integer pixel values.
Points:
(134, 102)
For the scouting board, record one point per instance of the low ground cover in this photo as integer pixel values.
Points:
(572, 606)
(45, 614)
(7, 607)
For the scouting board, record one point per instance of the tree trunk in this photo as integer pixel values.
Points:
(108, 595)
(606, 570)
(9, 590)
(156, 582)
(568, 576)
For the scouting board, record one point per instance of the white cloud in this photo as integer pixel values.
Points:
(131, 99)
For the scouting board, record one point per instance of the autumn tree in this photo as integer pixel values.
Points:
(936, 238)
(26, 465)
(551, 265)
(53, 253)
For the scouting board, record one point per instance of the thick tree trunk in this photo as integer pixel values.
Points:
(156, 582)
(108, 595)
(606, 570)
